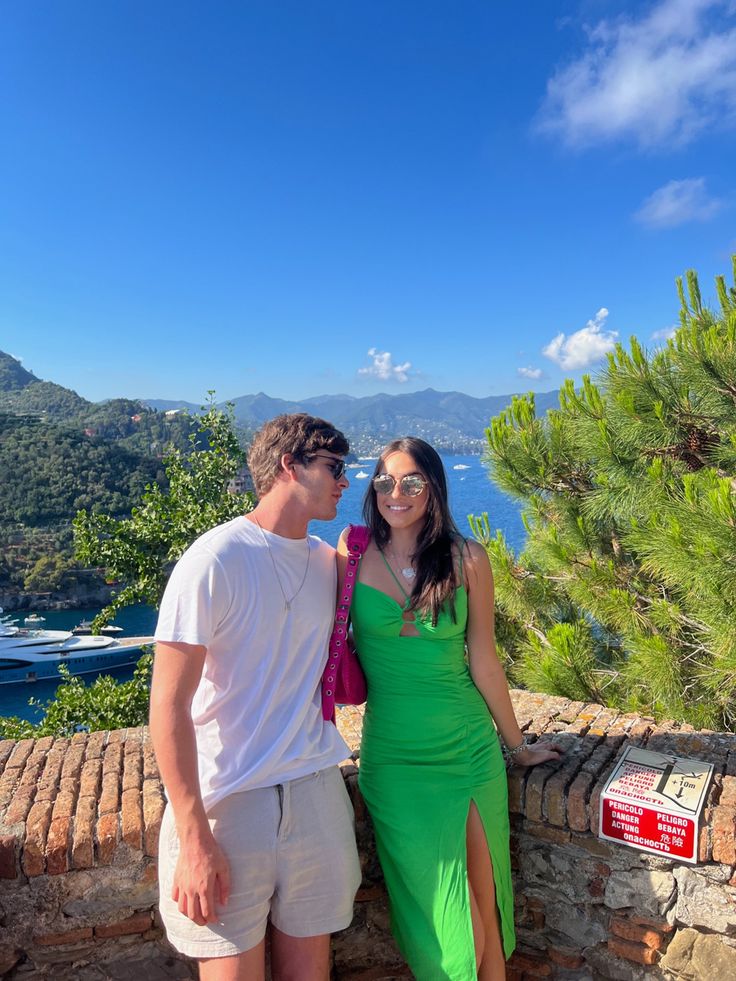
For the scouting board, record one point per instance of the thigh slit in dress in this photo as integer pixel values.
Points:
(429, 748)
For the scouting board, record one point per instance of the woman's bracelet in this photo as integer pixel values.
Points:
(511, 754)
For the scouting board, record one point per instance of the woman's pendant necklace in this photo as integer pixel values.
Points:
(287, 602)
(408, 572)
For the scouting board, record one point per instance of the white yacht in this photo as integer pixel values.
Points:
(29, 655)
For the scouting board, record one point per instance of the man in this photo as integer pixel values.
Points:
(259, 826)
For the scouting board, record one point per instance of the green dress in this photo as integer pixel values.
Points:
(429, 748)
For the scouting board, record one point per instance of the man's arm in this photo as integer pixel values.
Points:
(202, 876)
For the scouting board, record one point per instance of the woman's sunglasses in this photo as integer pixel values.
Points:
(411, 485)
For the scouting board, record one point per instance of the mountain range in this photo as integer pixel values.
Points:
(452, 421)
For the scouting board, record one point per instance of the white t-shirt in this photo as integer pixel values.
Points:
(257, 709)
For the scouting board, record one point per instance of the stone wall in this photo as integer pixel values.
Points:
(79, 822)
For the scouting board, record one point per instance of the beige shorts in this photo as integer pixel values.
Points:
(293, 859)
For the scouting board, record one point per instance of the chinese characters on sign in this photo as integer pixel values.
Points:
(652, 801)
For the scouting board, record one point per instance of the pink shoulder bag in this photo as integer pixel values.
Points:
(343, 681)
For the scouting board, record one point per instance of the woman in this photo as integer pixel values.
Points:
(431, 768)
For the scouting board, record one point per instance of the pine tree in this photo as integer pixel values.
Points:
(625, 592)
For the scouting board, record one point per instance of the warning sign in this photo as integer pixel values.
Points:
(652, 801)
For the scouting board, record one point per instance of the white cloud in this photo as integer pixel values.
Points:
(676, 203)
(585, 346)
(660, 79)
(383, 367)
(529, 372)
(664, 334)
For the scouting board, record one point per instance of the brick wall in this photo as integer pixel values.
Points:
(79, 822)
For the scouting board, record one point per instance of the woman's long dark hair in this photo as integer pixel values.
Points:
(436, 580)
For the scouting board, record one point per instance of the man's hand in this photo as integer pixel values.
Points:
(201, 880)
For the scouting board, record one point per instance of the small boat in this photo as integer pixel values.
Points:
(34, 620)
(361, 475)
(461, 466)
(85, 627)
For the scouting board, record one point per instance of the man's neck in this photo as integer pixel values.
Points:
(280, 519)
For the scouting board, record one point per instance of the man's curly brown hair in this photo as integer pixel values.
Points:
(297, 433)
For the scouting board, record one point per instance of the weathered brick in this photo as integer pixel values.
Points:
(543, 832)
(517, 777)
(631, 951)
(577, 802)
(535, 791)
(21, 753)
(34, 847)
(596, 887)
(554, 799)
(110, 796)
(131, 819)
(69, 937)
(20, 806)
(532, 966)
(57, 846)
(6, 748)
(654, 923)
(132, 770)
(89, 784)
(64, 804)
(723, 828)
(8, 860)
(150, 767)
(605, 719)
(638, 734)
(113, 755)
(48, 782)
(106, 838)
(138, 923)
(96, 742)
(565, 957)
(153, 810)
(8, 783)
(83, 856)
(597, 847)
(594, 801)
(73, 760)
(637, 932)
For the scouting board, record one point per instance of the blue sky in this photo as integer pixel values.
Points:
(305, 198)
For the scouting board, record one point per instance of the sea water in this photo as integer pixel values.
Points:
(470, 492)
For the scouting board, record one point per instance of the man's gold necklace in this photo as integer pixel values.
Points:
(287, 602)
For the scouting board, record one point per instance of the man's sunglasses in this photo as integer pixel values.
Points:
(335, 466)
(411, 485)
